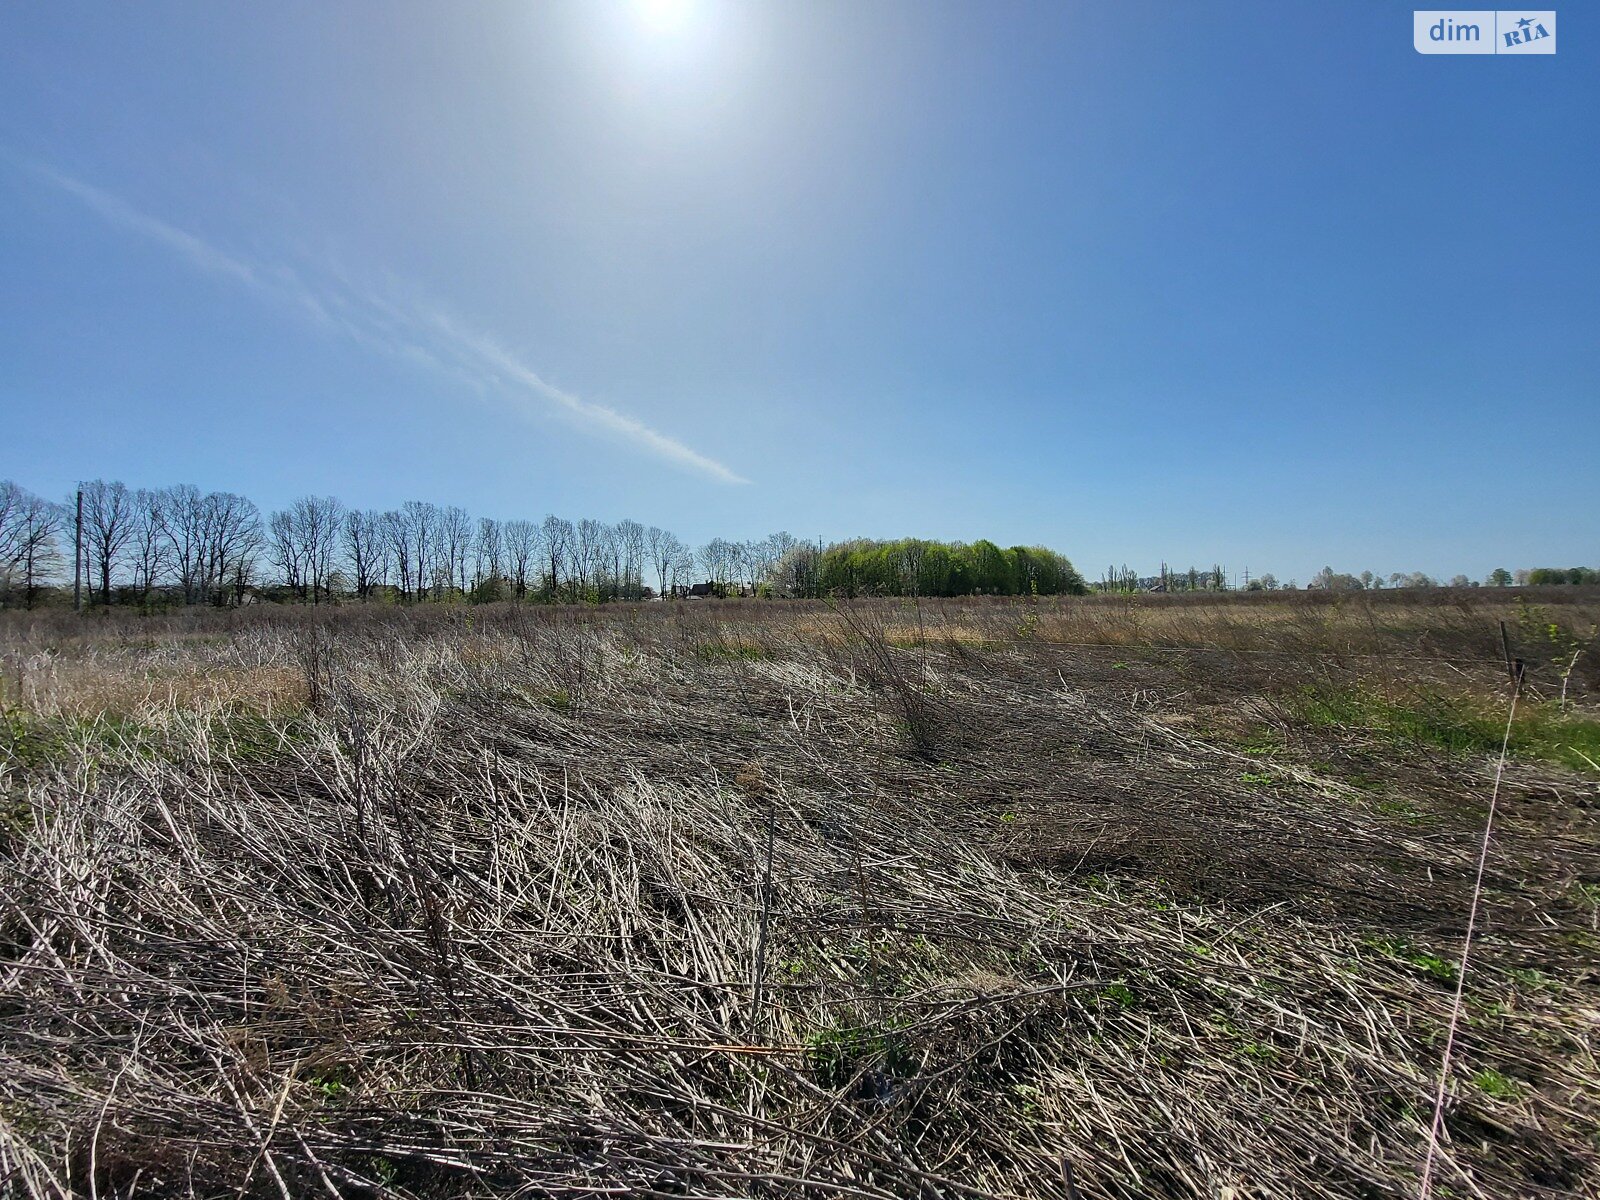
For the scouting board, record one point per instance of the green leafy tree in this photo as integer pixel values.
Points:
(912, 566)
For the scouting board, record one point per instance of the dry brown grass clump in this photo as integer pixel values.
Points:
(774, 901)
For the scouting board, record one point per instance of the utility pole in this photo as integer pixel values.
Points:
(77, 557)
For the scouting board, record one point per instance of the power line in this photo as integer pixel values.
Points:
(1426, 1190)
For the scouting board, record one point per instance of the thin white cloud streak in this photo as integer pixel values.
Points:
(416, 331)
(488, 351)
(200, 254)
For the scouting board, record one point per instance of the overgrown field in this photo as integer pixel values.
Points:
(1114, 898)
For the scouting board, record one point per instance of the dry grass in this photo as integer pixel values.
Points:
(87, 690)
(743, 899)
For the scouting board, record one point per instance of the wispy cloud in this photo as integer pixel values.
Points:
(395, 321)
(199, 254)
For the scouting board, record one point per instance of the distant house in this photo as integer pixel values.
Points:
(699, 591)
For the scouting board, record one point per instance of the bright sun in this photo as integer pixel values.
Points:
(663, 16)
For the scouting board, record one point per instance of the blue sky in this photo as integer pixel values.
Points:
(1255, 284)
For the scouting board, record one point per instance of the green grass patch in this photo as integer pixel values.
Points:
(1261, 743)
(1587, 894)
(1461, 725)
(1119, 994)
(1532, 978)
(732, 652)
(1501, 1087)
(1564, 737)
(1401, 810)
(1027, 1098)
(334, 1080)
(29, 743)
(1345, 774)
(254, 738)
(1441, 969)
(26, 743)
(837, 1055)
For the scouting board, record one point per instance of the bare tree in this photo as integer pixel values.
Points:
(747, 563)
(109, 517)
(397, 533)
(364, 549)
(288, 555)
(683, 562)
(29, 552)
(12, 498)
(233, 539)
(799, 571)
(522, 542)
(182, 513)
(455, 545)
(630, 538)
(587, 548)
(303, 541)
(148, 552)
(608, 564)
(662, 548)
(212, 541)
(719, 559)
(558, 539)
(421, 528)
(761, 558)
(319, 519)
(488, 553)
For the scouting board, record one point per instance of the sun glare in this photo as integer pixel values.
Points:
(663, 16)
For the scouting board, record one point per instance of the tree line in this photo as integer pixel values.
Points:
(1554, 575)
(1336, 581)
(1215, 579)
(201, 546)
(181, 545)
(914, 566)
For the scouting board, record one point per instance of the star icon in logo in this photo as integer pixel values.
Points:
(1525, 22)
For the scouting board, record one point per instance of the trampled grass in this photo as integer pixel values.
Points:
(712, 900)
